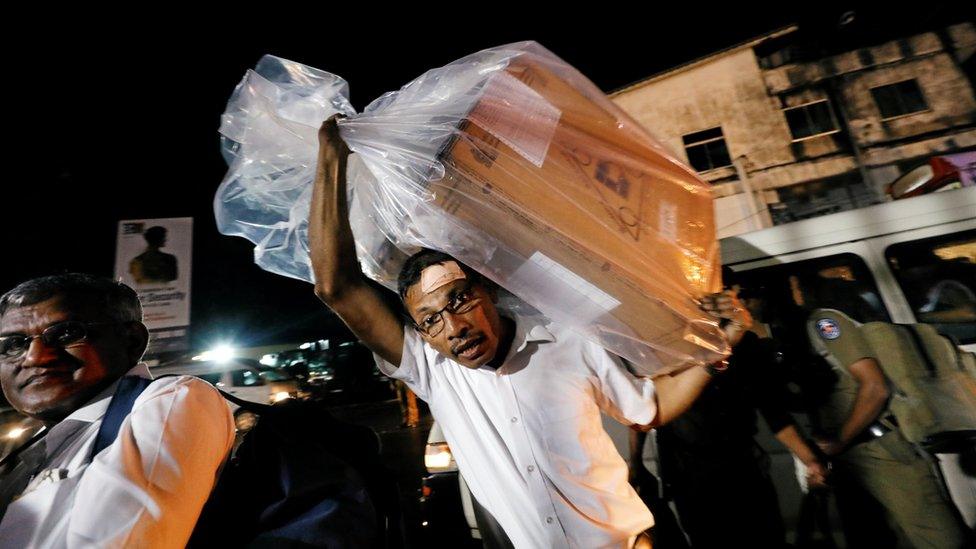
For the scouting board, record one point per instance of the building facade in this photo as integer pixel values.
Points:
(786, 130)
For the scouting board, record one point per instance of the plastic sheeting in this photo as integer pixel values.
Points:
(511, 161)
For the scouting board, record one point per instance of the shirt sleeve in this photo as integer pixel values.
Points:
(414, 368)
(628, 398)
(836, 336)
(148, 488)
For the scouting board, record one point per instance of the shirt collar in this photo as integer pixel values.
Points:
(528, 329)
(95, 408)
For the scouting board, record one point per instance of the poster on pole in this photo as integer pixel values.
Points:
(153, 256)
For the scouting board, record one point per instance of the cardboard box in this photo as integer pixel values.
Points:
(577, 197)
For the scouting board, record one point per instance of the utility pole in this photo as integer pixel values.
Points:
(757, 208)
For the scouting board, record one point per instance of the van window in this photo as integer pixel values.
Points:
(783, 295)
(938, 277)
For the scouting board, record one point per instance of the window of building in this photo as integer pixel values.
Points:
(811, 120)
(706, 149)
(824, 196)
(777, 58)
(899, 99)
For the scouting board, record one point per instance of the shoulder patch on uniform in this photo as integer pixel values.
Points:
(828, 328)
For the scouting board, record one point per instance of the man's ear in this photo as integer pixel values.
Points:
(408, 320)
(137, 337)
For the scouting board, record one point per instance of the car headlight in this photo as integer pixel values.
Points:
(280, 395)
(438, 458)
(16, 433)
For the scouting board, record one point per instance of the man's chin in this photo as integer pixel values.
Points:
(46, 412)
(51, 406)
(483, 360)
(477, 361)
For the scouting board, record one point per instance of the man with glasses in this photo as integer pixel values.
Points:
(69, 344)
(519, 399)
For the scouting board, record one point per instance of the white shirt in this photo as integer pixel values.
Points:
(528, 438)
(145, 490)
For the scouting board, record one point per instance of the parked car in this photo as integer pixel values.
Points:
(447, 508)
(242, 377)
(336, 371)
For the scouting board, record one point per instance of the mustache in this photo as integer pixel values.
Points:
(45, 372)
(466, 344)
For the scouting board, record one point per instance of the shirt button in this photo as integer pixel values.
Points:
(548, 520)
(531, 468)
(514, 419)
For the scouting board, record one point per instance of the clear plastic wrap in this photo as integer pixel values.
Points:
(511, 161)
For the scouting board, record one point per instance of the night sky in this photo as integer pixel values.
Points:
(117, 119)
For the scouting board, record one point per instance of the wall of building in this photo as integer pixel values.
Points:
(727, 91)
(732, 90)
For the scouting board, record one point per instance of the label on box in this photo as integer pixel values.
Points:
(577, 298)
(518, 116)
(668, 221)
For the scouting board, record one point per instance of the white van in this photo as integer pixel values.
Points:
(911, 260)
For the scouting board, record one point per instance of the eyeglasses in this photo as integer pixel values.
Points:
(464, 301)
(62, 334)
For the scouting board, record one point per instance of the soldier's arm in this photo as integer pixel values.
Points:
(872, 395)
(790, 437)
(339, 281)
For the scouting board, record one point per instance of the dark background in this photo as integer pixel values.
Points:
(114, 115)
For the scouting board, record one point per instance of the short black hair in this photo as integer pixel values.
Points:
(118, 301)
(155, 235)
(415, 265)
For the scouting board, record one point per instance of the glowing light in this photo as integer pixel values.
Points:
(280, 395)
(223, 353)
(220, 354)
(16, 432)
(438, 458)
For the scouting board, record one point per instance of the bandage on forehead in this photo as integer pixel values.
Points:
(440, 274)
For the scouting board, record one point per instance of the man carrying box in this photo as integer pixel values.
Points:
(519, 400)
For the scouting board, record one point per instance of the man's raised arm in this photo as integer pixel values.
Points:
(339, 282)
(676, 393)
